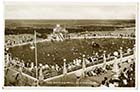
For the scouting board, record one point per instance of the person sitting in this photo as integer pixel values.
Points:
(103, 84)
(111, 83)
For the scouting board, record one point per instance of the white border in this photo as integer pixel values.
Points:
(17, 89)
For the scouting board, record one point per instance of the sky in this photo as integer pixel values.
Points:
(69, 10)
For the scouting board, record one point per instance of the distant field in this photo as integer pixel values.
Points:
(46, 26)
(51, 23)
(55, 52)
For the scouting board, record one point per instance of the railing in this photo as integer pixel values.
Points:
(59, 74)
(89, 68)
(32, 73)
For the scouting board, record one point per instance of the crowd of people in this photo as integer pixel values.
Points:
(126, 78)
(54, 70)
(122, 33)
(11, 40)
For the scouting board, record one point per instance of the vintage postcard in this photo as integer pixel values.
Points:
(75, 44)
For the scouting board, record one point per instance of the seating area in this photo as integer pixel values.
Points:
(126, 77)
(11, 40)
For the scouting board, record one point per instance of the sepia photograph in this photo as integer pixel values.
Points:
(75, 44)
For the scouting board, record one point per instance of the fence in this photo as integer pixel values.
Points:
(28, 79)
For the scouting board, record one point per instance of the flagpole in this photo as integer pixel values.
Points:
(36, 56)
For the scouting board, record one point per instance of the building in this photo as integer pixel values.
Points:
(59, 33)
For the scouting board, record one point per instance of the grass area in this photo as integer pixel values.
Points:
(55, 52)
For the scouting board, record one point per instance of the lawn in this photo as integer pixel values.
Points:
(55, 52)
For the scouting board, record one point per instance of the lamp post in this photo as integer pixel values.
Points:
(64, 67)
(83, 66)
(115, 65)
(104, 60)
(121, 55)
(41, 77)
(64, 71)
(7, 57)
(32, 65)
